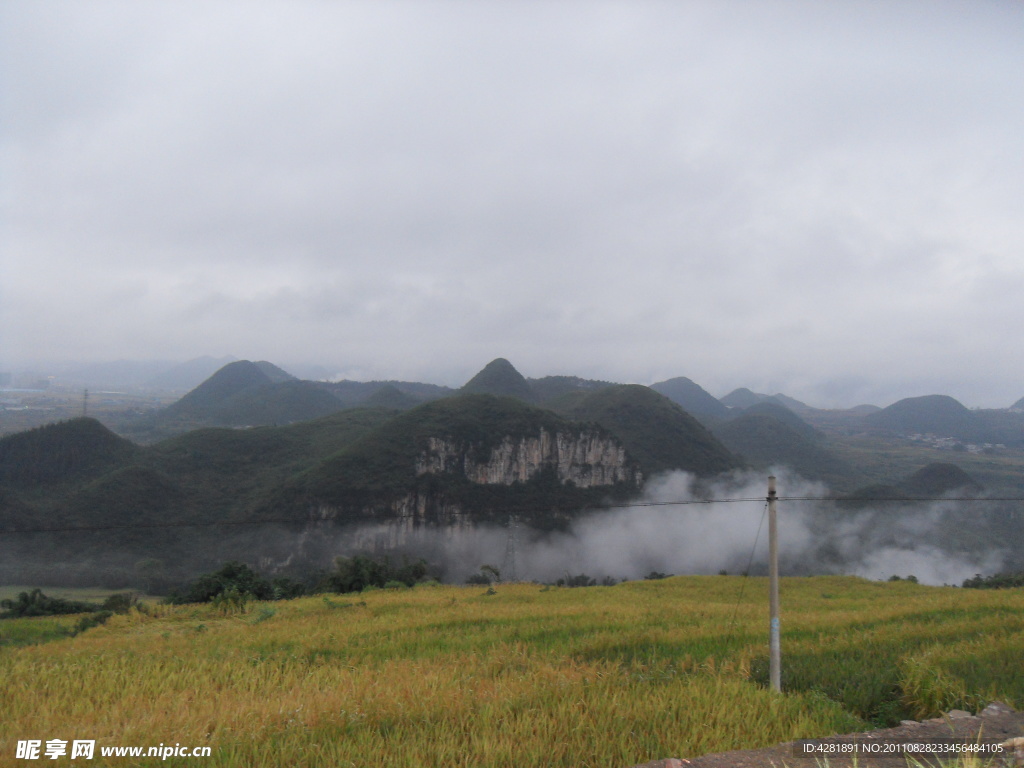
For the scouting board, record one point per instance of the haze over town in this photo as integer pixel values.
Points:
(822, 200)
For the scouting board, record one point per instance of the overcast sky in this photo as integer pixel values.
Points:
(818, 198)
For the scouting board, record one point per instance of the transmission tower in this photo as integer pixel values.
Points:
(508, 565)
(85, 403)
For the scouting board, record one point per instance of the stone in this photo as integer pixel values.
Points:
(996, 708)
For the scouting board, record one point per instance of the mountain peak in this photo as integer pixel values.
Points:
(499, 377)
(226, 382)
(693, 398)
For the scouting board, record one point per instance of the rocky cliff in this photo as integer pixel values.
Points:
(585, 459)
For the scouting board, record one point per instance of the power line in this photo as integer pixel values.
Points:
(521, 511)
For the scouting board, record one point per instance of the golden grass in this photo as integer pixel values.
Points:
(447, 676)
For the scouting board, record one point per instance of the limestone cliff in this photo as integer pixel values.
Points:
(586, 459)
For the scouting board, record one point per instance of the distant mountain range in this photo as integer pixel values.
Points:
(253, 443)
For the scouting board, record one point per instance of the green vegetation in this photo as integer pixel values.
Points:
(60, 454)
(381, 467)
(233, 579)
(355, 574)
(765, 441)
(693, 399)
(188, 503)
(658, 433)
(996, 581)
(35, 603)
(521, 675)
(934, 414)
(500, 378)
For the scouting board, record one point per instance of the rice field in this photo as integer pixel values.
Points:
(527, 676)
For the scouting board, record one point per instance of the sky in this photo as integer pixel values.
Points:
(819, 199)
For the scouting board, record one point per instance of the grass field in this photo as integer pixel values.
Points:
(528, 676)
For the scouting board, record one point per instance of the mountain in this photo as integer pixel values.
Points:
(390, 396)
(272, 372)
(465, 459)
(61, 453)
(203, 401)
(354, 394)
(939, 478)
(552, 388)
(283, 402)
(792, 403)
(242, 393)
(938, 415)
(780, 412)
(656, 431)
(865, 409)
(933, 480)
(499, 377)
(742, 398)
(764, 439)
(693, 399)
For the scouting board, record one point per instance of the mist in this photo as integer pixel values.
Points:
(672, 527)
(707, 537)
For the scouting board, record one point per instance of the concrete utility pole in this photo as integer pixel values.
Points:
(775, 651)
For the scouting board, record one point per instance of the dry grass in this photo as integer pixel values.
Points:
(446, 676)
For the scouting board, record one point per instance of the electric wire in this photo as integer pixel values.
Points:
(521, 511)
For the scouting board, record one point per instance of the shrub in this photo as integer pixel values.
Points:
(356, 574)
(996, 581)
(580, 580)
(234, 578)
(35, 603)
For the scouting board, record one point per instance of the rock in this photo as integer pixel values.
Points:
(1017, 747)
(958, 714)
(586, 459)
(668, 762)
(996, 708)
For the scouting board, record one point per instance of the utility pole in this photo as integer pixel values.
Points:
(775, 651)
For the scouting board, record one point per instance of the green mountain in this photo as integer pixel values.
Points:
(939, 478)
(499, 377)
(742, 398)
(63, 453)
(933, 480)
(279, 403)
(780, 412)
(938, 415)
(390, 396)
(481, 452)
(556, 388)
(241, 394)
(765, 440)
(275, 374)
(229, 381)
(693, 399)
(656, 432)
(354, 394)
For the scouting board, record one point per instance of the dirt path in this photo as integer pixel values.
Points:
(997, 722)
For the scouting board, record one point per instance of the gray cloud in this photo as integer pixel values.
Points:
(817, 199)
